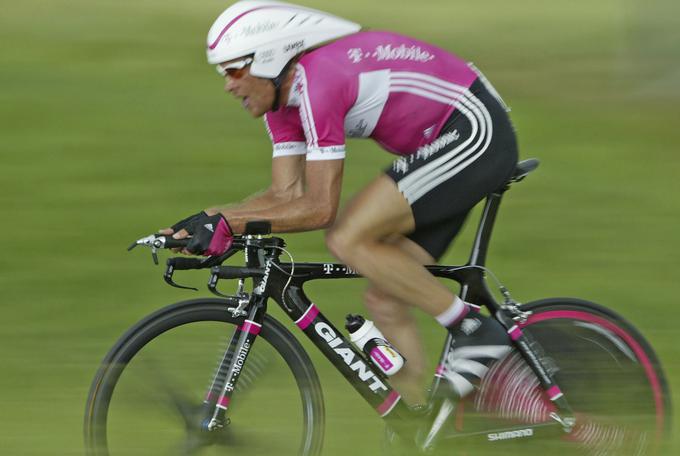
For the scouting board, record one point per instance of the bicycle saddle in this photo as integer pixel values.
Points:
(523, 169)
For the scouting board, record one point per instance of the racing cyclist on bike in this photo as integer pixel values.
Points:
(316, 79)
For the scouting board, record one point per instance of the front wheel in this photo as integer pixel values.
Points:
(607, 371)
(147, 397)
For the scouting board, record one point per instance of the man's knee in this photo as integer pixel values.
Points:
(341, 242)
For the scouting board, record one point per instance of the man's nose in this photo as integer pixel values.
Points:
(229, 84)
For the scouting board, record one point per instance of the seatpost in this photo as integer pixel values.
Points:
(486, 223)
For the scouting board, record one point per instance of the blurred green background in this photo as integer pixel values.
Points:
(112, 126)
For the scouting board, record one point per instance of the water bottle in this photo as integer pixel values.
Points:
(368, 338)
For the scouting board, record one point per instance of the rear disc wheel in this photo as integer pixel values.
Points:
(606, 370)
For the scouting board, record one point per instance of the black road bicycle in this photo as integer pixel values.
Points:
(578, 375)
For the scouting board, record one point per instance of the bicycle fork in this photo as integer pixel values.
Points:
(227, 374)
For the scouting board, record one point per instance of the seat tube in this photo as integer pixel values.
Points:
(477, 258)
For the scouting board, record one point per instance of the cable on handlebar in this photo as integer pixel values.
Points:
(290, 276)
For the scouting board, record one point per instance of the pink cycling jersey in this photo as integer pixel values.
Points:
(392, 88)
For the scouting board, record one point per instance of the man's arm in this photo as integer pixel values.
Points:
(288, 183)
(303, 198)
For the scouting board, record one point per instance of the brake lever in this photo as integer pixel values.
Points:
(169, 270)
(154, 242)
(212, 285)
(184, 264)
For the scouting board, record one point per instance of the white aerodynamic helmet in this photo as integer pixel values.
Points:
(272, 32)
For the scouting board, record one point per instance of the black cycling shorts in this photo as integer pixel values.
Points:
(474, 155)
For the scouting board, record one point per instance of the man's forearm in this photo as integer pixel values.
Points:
(257, 201)
(298, 199)
(302, 214)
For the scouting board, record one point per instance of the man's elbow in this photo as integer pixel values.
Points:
(287, 193)
(284, 196)
(325, 217)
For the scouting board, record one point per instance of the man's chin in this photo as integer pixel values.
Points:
(255, 113)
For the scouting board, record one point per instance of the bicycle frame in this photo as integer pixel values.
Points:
(284, 283)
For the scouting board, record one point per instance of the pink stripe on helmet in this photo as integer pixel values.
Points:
(233, 21)
(224, 30)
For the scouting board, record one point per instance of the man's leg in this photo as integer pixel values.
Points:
(360, 238)
(395, 320)
(368, 236)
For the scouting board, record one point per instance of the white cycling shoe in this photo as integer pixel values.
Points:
(477, 341)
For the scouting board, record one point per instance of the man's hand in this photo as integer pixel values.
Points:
(209, 234)
(179, 229)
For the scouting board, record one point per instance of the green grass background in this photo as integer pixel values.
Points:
(112, 126)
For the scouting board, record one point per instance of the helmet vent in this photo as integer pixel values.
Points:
(289, 20)
(304, 20)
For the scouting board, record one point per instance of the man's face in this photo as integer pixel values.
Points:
(256, 94)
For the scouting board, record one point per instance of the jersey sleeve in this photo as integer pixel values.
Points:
(285, 131)
(323, 105)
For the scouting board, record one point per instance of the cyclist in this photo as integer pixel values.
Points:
(316, 79)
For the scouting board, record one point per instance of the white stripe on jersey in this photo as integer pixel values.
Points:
(424, 179)
(269, 130)
(410, 75)
(372, 94)
(435, 166)
(439, 92)
(306, 111)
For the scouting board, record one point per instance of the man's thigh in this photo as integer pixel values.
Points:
(376, 212)
(411, 248)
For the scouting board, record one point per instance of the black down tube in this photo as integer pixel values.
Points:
(349, 361)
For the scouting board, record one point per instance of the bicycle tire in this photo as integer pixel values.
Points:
(273, 337)
(613, 358)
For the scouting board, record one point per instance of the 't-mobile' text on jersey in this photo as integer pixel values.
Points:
(394, 89)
